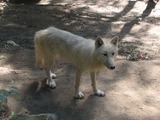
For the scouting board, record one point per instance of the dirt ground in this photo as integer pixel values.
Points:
(132, 89)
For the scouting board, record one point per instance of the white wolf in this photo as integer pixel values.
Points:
(85, 54)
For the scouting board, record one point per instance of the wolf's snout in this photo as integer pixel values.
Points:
(112, 67)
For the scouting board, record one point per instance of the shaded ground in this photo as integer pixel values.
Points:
(132, 90)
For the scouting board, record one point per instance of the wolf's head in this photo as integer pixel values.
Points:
(106, 50)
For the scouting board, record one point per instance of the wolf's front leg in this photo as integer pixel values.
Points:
(95, 90)
(78, 93)
(50, 82)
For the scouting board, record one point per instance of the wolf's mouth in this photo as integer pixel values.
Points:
(110, 67)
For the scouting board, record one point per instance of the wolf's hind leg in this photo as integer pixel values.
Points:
(50, 82)
(96, 91)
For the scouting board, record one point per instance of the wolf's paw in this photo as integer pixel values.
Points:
(51, 84)
(99, 93)
(54, 76)
(79, 95)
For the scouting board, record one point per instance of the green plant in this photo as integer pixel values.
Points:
(4, 96)
(135, 55)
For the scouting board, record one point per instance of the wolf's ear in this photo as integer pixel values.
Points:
(115, 40)
(99, 42)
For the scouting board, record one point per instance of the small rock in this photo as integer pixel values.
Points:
(44, 116)
(12, 46)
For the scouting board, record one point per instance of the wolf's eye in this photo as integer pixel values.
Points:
(105, 54)
(112, 53)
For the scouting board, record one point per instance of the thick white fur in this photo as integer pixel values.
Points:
(85, 54)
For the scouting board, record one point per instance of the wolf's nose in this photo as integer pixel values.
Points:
(112, 67)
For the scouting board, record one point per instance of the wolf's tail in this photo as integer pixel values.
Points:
(39, 53)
